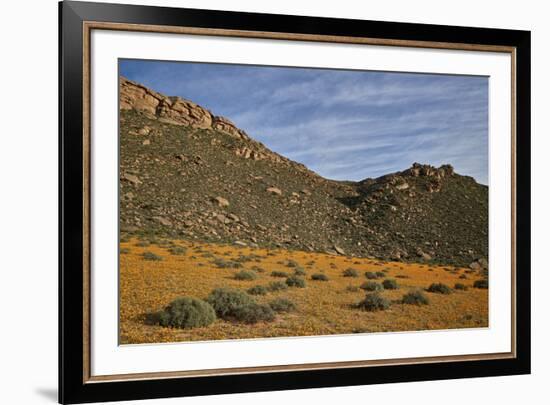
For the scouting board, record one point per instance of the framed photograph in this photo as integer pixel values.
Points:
(255, 202)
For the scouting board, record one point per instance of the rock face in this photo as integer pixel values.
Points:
(186, 173)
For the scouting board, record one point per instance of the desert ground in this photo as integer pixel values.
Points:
(155, 272)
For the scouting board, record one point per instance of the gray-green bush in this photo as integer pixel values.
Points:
(483, 284)
(151, 256)
(439, 288)
(299, 271)
(374, 302)
(295, 281)
(257, 290)
(226, 264)
(319, 277)
(282, 305)
(279, 274)
(187, 312)
(277, 286)
(390, 284)
(350, 272)
(254, 312)
(415, 297)
(226, 301)
(177, 250)
(245, 275)
(372, 286)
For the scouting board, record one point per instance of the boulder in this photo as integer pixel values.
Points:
(339, 250)
(222, 202)
(163, 221)
(475, 266)
(131, 178)
(274, 190)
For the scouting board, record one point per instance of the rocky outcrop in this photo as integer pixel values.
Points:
(177, 111)
(222, 124)
(173, 110)
(419, 170)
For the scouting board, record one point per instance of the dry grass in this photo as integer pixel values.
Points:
(321, 308)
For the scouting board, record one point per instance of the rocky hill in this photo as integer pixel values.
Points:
(187, 173)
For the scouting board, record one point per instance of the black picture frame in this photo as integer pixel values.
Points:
(73, 387)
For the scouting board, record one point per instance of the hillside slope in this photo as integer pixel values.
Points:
(185, 172)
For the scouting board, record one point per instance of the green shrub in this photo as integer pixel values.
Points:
(124, 251)
(295, 281)
(380, 274)
(374, 302)
(187, 312)
(319, 277)
(245, 275)
(254, 312)
(352, 288)
(460, 286)
(299, 271)
(258, 269)
(439, 288)
(151, 256)
(484, 284)
(143, 243)
(415, 298)
(277, 286)
(257, 290)
(226, 301)
(372, 286)
(292, 263)
(282, 305)
(371, 275)
(177, 250)
(279, 274)
(350, 272)
(390, 284)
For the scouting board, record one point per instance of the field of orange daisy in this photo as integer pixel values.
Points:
(154, 274)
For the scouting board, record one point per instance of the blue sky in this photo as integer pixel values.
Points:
(344, 125)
